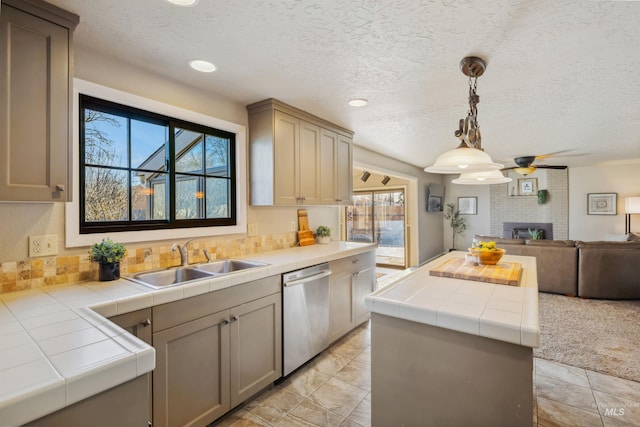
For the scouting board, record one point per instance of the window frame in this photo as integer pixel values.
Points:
(186, 227)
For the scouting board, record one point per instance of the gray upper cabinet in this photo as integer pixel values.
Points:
(297, 158)
(35, 99)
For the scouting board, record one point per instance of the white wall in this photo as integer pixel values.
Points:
(477, 224)
(621, 178)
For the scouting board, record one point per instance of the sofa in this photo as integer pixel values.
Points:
(607, 270)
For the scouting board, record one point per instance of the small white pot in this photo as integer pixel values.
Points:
(324, 239)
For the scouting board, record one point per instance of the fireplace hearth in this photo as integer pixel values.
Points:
(520, 230)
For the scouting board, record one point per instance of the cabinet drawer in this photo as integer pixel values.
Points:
(353, 263)
(178, 312)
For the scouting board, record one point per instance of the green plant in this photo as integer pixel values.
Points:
(323, 231)
(107, 252)
(457, 223)
(535, 234)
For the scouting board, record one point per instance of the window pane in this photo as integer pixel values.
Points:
(106, 197)
(217, 156)
(105, 139)
(148, 145)
(189, 151)
(188, 197)
(217, 198)
(159, 200)
(143, 187)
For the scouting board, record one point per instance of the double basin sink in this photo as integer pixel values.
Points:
(160, 279)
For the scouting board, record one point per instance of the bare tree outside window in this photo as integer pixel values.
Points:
(106, 197)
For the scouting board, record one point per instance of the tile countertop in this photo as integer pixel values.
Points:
(57, 346)
(501, 312)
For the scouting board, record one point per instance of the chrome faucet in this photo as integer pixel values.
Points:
(183, 250)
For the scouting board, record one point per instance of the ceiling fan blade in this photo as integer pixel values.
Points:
(555, 153)
(551, 167)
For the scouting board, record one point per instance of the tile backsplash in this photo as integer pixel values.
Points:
(57, 270)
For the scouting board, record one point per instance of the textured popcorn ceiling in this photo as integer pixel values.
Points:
(561, 75)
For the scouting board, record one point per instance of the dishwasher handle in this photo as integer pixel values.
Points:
(319, 275)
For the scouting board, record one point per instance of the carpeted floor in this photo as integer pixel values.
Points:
(599, 335)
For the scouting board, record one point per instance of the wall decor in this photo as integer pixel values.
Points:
(602, 203)
(434, 204)
(527, 186)
(468, 205)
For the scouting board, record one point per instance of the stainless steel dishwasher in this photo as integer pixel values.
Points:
(305, 322)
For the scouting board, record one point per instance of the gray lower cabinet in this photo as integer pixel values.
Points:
(138, 323)
(352, 278)
(124, 406)
(35, 100)
(214, 351)
(191, 379)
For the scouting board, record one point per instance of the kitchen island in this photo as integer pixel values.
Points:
(448, 351)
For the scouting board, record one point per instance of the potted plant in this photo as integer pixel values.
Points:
(108, 255)
(457, 223)
(323, 234)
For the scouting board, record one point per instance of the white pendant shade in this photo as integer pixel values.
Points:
(481, 178)
(463, 160)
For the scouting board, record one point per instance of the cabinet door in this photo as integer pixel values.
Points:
(308, 168)
(344, 164)
(34, 107)
(341, 315)
(328, 167)
(191, 379)
(137, 323)
(256, 346)
(364, 283)
(285, 147)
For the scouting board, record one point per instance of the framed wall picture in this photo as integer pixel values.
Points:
(468, 205)
(434, 204)
(602, 203)
(527, 186)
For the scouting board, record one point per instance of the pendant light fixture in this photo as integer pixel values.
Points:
(469, 156)
(482, 178)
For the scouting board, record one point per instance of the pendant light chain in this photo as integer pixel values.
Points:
(474, 127)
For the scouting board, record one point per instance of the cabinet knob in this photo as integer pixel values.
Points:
(355, 261)
(225, 322)
(235, 318)
(146, 323)
(59, 187)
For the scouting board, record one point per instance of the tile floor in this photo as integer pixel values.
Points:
(334, 389)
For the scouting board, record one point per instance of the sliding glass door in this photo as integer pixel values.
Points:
(379, 216)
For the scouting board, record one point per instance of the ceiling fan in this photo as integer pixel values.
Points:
(525, 164)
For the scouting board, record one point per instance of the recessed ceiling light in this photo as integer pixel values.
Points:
(202, 66)
(358, 102)
(184, 2)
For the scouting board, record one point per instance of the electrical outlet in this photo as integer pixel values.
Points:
(43, 245)
(252, 229)
(294, 226)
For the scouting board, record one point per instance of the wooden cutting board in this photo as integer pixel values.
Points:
(305, 235)
(503, 273)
